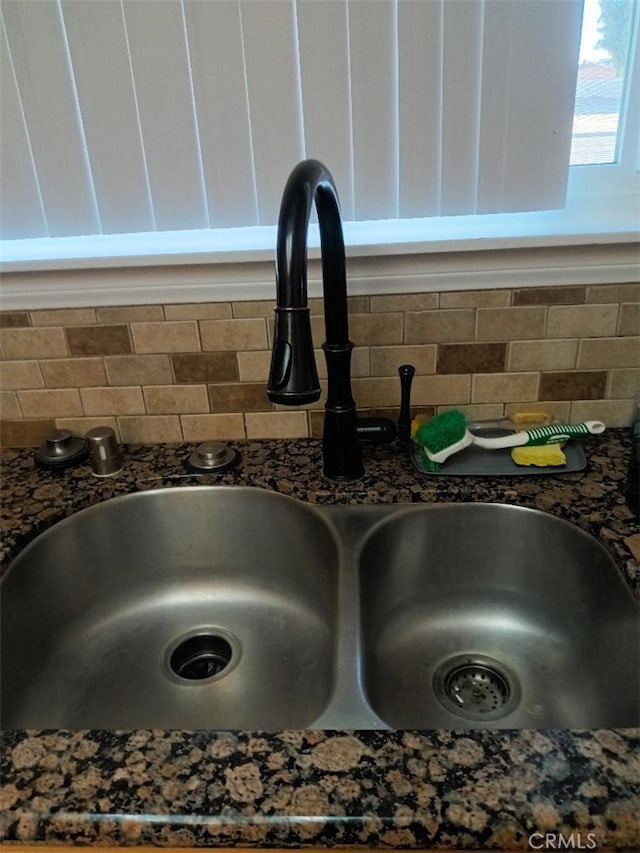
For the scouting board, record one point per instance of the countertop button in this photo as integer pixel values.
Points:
(212, 457)
(61, 449)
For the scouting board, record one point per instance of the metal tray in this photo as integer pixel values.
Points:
(475, 461)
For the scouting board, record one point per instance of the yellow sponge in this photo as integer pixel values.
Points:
(417, 422)
(548, 454)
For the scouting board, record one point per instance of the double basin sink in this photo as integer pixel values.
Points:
(221, 607)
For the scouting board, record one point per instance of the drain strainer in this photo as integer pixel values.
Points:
(201, 656)
(476, 687)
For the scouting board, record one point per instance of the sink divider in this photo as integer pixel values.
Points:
(348, 706)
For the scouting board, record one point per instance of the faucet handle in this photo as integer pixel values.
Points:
(377, 430)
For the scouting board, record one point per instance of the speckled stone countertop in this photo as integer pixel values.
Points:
(475, 789)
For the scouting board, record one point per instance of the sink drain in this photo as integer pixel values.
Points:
(201, 656)
(476, 687)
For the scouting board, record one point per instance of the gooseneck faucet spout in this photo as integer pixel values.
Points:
(293, 377)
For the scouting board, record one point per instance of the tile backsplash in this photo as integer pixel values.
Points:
(198, 371)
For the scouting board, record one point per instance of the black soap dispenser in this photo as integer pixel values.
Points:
(632, 486)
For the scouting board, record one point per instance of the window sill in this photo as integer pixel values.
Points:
(517, 250)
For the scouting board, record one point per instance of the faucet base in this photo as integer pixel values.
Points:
(341, 449)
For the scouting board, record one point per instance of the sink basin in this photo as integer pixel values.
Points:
(496, 616)
(175, 608)
(225, 607)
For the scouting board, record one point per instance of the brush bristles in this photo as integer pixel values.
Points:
(442, 431)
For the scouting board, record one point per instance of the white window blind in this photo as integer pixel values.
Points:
(128, 116)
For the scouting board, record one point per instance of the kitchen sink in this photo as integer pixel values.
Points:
(496, 616)
(233, 607)
(175, 608)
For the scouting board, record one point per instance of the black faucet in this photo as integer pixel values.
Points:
(293, 377)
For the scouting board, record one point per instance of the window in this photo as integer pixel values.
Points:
(156, 132)
(605, 63)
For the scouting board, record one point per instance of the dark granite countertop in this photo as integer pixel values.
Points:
(471, 789)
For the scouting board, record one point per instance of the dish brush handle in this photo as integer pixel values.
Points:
(550, 434)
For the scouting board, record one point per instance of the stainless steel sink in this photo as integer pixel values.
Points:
(234, 607)
(176, 608)
(495, 616)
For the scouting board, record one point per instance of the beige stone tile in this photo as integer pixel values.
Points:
(270, 334)
(276, 425)
(14, 320)
(255, 308)
(475, 299)
(601, 353)
(450, 390)
(199, 367)
(376, 392)
(317, 332)
(581, 321)
(73, 372)
(558, 354)
(236, 335)
(372, 329)
(358, 304)
(9, 407)
(130, 314)
(240, 397)
(505, 387)
(385, 361)
(98, 340)
(33, 343)
(629, 322)
(253, 365)
(573, 385)
(198, 311)
(559, 409)
(176, 399)
(508, 324)
(63, 317)
(471, 358)
(112, 401)
(316, 424)
(624, 383)
(150, 429)
(360, 363)
(20, 375)
(480, 411)
(208, 427)
(138, 369)
(404, 302)
(613, 413)
(549, 296)
(81, 426)
(178, 336)
(24, 433)
(599, 293)
(45, 403)
(445, 325)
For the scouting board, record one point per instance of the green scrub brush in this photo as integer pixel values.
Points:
(447, 434)
(442, 436)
